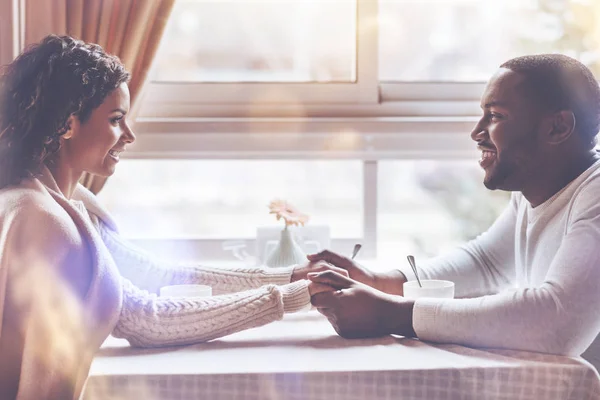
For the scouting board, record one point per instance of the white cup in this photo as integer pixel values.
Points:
(431, 288)
(186, 291)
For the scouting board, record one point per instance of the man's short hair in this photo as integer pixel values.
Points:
(557, 82)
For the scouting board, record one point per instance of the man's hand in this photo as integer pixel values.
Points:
(302, 270)
(389, 282)
(356, 310)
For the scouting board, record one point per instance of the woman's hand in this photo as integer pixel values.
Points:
(389, 282)
(302, 270)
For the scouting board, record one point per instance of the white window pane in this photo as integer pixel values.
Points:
(428, 207)
(229, 198)
(259, 41)
(466, 40)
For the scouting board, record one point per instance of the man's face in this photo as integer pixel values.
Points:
(507, 133)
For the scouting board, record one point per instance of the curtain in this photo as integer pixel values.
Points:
(129, 29)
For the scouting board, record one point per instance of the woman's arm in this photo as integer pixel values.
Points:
(149, 273)
(150, 321)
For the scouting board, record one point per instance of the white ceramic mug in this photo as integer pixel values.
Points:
(186, 291)
(431, 288)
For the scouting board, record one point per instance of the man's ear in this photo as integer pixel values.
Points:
(563, 126)
(73, 126)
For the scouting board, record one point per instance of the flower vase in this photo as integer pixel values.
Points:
(286, 253)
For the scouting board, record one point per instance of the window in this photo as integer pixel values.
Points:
(262, 41)
(427, 207)
(466, 40)
(229, 198)
(423, 207)
(359, 58)
(366, 104)
(194, 209)
(263, 52)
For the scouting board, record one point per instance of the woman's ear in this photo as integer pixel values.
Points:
(563, 126)
(72, 127)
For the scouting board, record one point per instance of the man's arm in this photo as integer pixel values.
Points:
(561, 316)
(485, 265)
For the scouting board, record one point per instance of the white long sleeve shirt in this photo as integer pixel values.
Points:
(531, 282)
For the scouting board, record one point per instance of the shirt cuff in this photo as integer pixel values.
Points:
(296, 296)
(427, 321)
(277, 276)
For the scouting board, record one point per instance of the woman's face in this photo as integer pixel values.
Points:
(94, 146)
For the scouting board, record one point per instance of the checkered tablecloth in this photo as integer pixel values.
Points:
(301, 357)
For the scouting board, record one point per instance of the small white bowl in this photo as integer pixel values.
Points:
(186, 291)
(431, 288)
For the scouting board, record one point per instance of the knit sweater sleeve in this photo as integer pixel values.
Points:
(485, 265)
(560, 316)
(150, 321)
(149, 273)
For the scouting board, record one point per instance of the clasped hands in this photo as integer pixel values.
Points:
(357, 302)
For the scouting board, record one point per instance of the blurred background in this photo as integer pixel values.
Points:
(421, 204)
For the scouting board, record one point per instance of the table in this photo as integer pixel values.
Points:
(301, 357)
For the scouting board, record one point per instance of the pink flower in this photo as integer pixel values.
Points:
(289, 213)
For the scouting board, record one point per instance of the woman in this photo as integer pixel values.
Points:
(67, 279)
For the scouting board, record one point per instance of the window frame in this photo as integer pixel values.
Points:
(387, 116)
(374, 138)
(364, 90)
(367, 97)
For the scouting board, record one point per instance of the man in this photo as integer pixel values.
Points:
(532, 281)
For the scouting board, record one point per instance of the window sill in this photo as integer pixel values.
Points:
(366, 138)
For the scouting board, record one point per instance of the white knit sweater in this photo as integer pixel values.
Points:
(533, 278)
(46, 239)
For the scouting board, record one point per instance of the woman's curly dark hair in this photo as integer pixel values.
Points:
(39, 91)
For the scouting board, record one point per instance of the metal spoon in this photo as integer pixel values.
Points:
(357, 248)
(411, 261)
